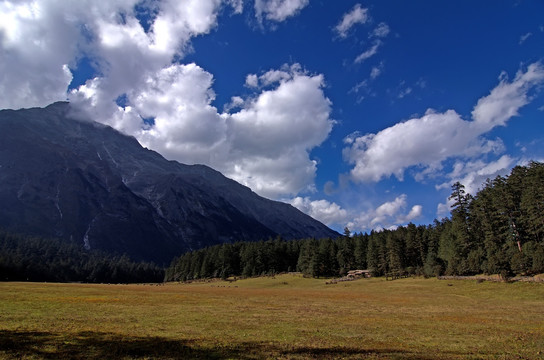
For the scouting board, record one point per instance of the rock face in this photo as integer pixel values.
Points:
(87, 183)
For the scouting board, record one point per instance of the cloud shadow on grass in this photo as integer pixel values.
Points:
(98, 345)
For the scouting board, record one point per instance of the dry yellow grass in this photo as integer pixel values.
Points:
(285, 317)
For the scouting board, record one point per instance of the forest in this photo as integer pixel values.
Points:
(499, 230)
(28, 258)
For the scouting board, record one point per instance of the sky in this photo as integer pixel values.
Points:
(361, 114)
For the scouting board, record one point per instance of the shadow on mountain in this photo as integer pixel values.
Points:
(97, 345)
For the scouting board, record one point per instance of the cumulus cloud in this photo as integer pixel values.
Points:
(357, 15)
(443, 209)
(273, 76)
(186, 125)
(414, 213)
(271, 136)
(507, 98)
(326, 212)
(262, 141)
(390, 214)
(235, 102)
(37, 72)
(472, 174)
(34, 72)
(427, 141)
(278, 10)
(252, 81)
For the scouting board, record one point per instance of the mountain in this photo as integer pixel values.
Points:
(87, 183)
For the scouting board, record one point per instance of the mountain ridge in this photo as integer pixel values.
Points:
(86, 182)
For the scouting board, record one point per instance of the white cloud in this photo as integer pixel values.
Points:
(252, 81)
(381, 31)
(278, 10)
(478, 172)
(42, 39)
(443, 209)
(357, 15)
(376, 71)
(524, 37)
(264, 144)
(273, 76)
(388, 215)
(472, 174)
(414, 213)
(363, 85)
(427, 141)
(186, 126)
(368, 53)
(235, 102)
(363, 88)
(270, 138)
(420, 141)
(507, 98)
(326, 212)
(37, 45)
(237, 5)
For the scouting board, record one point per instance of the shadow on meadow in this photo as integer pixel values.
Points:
(96, 345)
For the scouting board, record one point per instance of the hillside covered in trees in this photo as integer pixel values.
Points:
(26, 258)
(499, 230)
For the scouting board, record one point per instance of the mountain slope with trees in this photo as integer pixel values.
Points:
(26, 258)
(500, 230)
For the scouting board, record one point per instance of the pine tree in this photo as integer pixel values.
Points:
(361, 246)
(345, 256)
(305, 262)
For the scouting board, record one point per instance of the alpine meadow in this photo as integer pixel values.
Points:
(271, 179)
(282, 317)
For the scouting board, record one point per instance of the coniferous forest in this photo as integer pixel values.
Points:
(499, 230)
(27, 258)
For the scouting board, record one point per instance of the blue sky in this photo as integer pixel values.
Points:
(359, 113)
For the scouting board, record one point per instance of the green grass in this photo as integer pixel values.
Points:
(287, 317)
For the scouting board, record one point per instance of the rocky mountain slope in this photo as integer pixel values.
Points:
(87, 183)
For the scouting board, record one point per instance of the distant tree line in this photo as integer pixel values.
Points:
(499, 230)
(27, 258)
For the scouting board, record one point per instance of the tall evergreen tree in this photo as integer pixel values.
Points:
(346, 253)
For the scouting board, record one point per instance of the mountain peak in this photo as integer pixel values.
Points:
(101, 189)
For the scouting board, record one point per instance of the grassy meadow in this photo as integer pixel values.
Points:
(286, 317)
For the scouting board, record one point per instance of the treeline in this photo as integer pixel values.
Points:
(313, 257)
(500, 230)
(26, 258)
